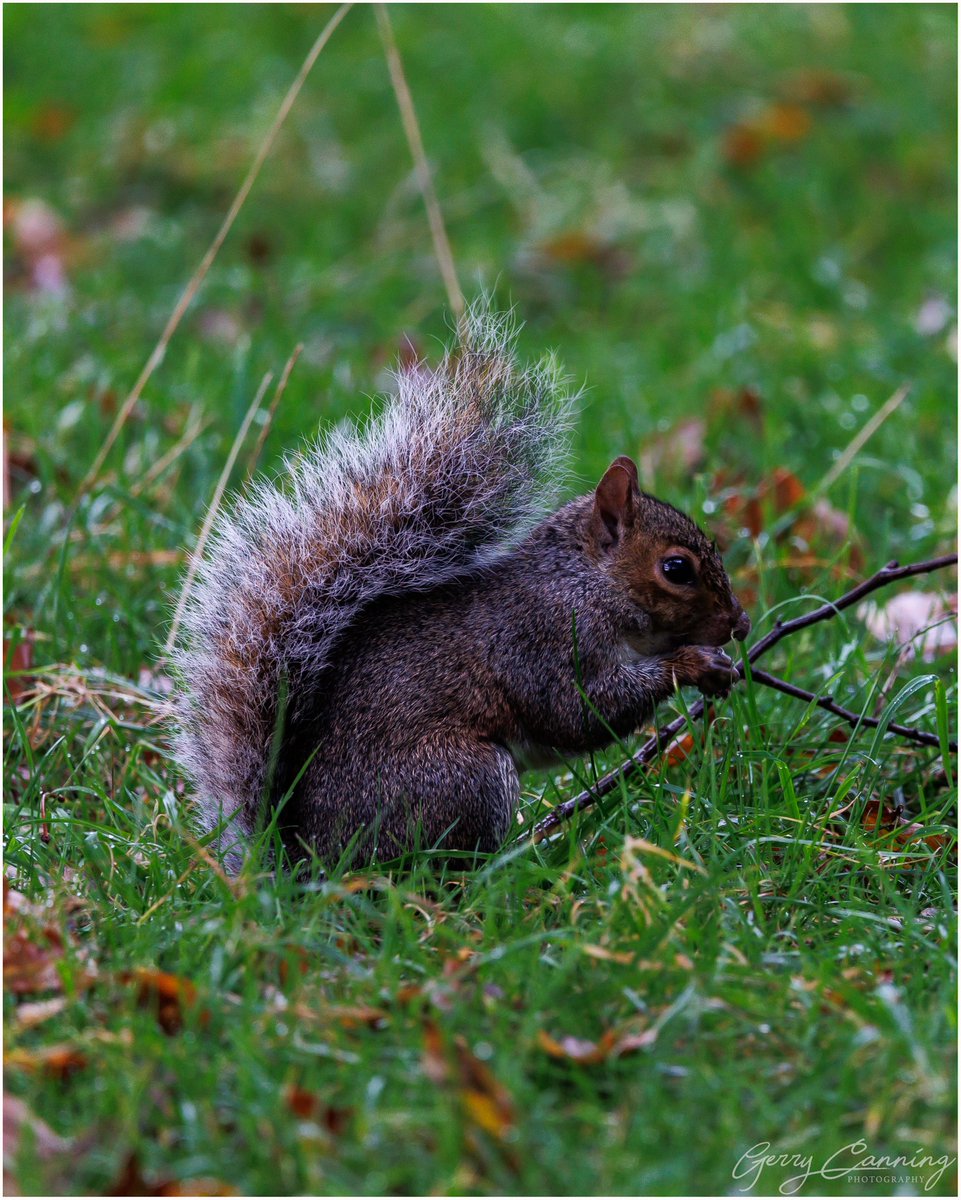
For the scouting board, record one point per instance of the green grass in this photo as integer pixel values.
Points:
(790, 973)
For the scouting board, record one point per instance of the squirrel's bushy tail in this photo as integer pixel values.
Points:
(459, 463)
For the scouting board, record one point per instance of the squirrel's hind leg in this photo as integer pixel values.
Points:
(451, 794)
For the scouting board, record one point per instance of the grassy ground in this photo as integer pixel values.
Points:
(741, 219)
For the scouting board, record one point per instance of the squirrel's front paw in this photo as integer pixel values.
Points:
(705, 667)
(717, 673)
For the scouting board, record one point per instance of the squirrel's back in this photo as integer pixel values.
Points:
(455, 468)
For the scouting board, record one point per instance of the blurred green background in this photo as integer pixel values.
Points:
(737, 227)
(682, 200)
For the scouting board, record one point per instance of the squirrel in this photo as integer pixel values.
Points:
(376, 648)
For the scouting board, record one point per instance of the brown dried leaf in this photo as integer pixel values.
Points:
(778, 125)
(132, 1182)
(729, 408)
(577, 247)
(743, 144)
(920, 622)
(786, 122)
(587, 1053)
(578, 1050)
(17, 661)
(309, 1107)
(888, 821)
(51, 122)
(170, 996)
(31, 966)
(486, 1101)
(56, 1062)
(676, 452)
(679, 750)
(355, 1016)
(816, 85)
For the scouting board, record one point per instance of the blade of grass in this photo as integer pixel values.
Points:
(212, 513)
(190, 291)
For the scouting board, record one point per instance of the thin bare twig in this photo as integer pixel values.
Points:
(268, 420)
(212, 513)
(408, 115)
(871, 426)
(853, 718)
(206, 262)
(652, 747)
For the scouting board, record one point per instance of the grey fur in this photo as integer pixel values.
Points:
(384, 639)
(457, 466)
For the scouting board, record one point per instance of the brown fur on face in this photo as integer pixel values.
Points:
(637, 533)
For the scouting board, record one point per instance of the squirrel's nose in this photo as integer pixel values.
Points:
(742, 627)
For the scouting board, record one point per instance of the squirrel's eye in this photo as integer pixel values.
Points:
(678, 570)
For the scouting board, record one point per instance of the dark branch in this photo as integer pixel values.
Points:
(853, 718)
(653, 746)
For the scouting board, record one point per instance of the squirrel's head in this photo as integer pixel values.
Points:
(669, 568)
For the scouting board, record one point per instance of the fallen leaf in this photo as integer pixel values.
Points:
(51, 122)
(578, 1050)
(39, 241)
(486, 1102)
(786, 122)
(35, 1012)
(729, 407)
(354, 1016)
(47, 1145)
(56, 1062)
(132, 1182)
(888, 820)
(677, 452)
(309, 1107)
(169, 995)
(747, 140)
(31, 966)
(921, 623)
(817, 86)
(678, 751)
(587, 1053)
(17, 661)
(742, 145)
(577, 247)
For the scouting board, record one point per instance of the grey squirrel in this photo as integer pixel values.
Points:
(380, 645)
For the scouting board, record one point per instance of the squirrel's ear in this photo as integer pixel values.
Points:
(614, 502)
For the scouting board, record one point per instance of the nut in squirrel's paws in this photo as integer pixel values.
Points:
(716, 674)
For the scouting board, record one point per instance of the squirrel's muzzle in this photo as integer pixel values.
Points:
(742, 627)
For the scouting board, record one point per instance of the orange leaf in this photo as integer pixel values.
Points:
(786, 122)
(132, 1182)
(487, 1103)
(308, 1106)
(678, 751)
(169, 996)
(58, 1062)
(29, 967)
(17, 660)
(578, 1050)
